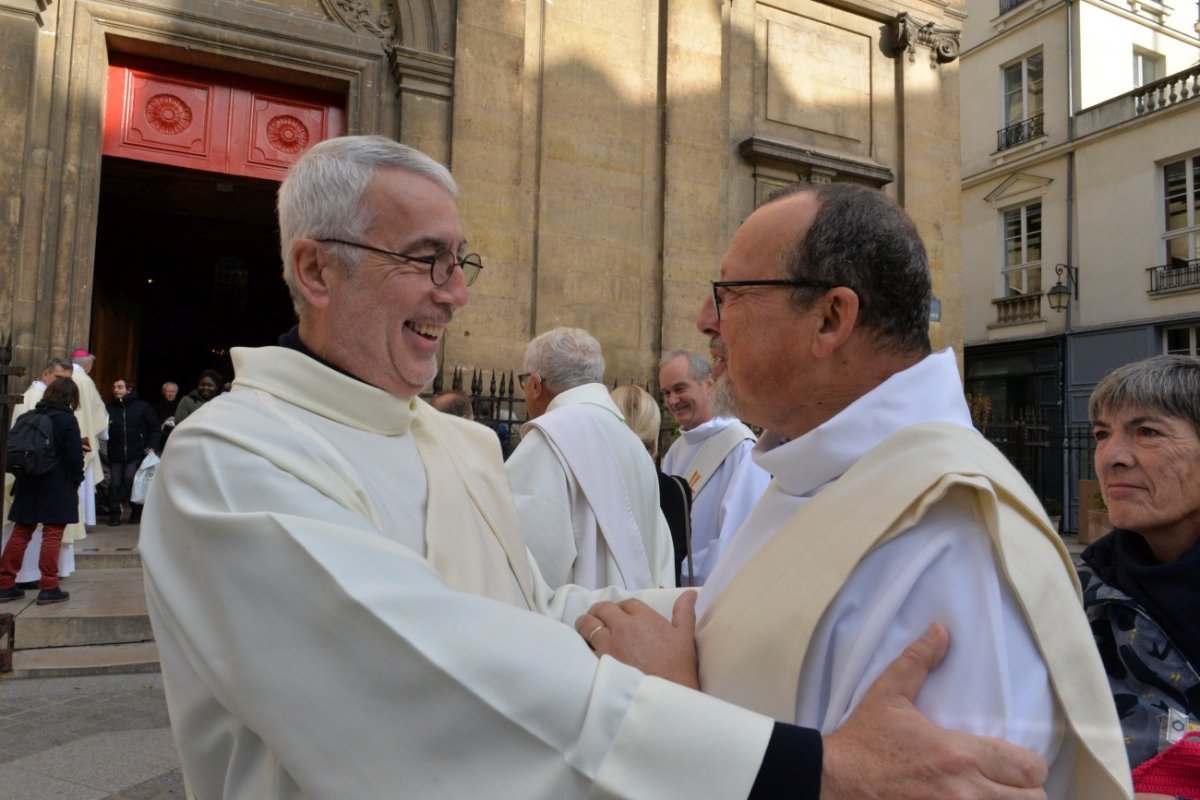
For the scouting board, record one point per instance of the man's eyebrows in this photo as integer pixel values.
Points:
(435, 244)
(427, 243)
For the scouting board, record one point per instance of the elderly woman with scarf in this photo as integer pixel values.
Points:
(1141, 582)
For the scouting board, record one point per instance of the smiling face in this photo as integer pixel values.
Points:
(120, 389)
(1149, 469)
(684, 396)
(385, 317)
(207, 388)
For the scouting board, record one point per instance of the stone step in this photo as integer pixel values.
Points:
(107, 559)
(105, 659)
(108, 548)
(107, 606)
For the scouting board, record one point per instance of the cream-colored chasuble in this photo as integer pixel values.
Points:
(753, 639)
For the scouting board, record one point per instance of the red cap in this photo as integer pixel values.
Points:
(80, 353)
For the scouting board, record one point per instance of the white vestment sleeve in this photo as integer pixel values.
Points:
(307, 655)
(943, 571)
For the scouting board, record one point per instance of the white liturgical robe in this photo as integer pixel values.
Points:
(994, 680)
(93, 426)
(723, 502)
(314, 553)
(587, 495)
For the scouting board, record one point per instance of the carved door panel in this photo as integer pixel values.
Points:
(207, 120)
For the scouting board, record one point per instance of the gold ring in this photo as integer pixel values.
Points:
(595, 630)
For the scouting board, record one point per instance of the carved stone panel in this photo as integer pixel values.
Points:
(819, 77)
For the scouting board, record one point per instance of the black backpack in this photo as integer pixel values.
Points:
(31, 448)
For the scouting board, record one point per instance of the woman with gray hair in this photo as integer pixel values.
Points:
(1141, 582)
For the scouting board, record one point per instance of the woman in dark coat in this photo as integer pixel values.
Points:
(51, 499)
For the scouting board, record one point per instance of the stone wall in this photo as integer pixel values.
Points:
(606, 151)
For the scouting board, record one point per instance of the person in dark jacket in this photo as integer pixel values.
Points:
(206, 389)
(51, 499)
(133, 431)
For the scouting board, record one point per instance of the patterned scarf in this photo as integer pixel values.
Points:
(1170, 593)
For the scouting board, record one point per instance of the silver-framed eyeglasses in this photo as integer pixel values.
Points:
(718, 286)
(441, 264)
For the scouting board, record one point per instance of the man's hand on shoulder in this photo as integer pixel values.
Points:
(886, 749)
(633, 632)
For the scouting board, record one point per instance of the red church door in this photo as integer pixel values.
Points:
(187, 251)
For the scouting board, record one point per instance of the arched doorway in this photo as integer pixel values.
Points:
(187, 261)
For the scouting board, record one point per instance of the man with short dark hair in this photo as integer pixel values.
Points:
(133, 432)
(713, 455)
(342, 598)
(887, 511)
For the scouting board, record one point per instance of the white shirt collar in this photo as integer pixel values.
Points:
(928, 391)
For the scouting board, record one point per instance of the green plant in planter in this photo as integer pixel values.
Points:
(1054, 508)
(1098, 501)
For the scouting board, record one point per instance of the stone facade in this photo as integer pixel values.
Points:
(606, 151)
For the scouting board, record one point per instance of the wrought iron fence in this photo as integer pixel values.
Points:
(1052, 460)
(500, 408)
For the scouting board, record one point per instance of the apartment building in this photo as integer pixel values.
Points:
(1080, 202)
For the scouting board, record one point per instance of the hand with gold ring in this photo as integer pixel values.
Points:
(639, 636)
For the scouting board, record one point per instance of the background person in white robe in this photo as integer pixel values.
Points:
(819, 324)
(338, 586)
(93, 424)
(713, 455)
(585, 491)
(29, 575)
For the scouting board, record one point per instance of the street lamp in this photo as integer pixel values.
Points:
(1060, 296)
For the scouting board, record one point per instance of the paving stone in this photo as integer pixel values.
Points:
(85, 738)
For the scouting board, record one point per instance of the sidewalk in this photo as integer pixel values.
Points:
(94, 737)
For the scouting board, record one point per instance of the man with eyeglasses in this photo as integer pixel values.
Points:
(341, 595)
(585, 490)
(886, 511)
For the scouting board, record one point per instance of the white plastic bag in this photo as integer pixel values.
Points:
(142, 478)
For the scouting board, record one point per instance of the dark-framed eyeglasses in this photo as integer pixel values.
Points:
(441, 265)
(718, 286)
(521, 378)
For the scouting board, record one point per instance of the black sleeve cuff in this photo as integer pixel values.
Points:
(791, 767)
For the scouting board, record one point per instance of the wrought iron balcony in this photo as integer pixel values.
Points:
(1171, 278)
(1022, 131)
(1009, 5)
(1018, 309)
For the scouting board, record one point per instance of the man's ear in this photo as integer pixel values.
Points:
(839, 318)
(313, 269)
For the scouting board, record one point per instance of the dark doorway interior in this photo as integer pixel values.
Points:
(187, 266)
